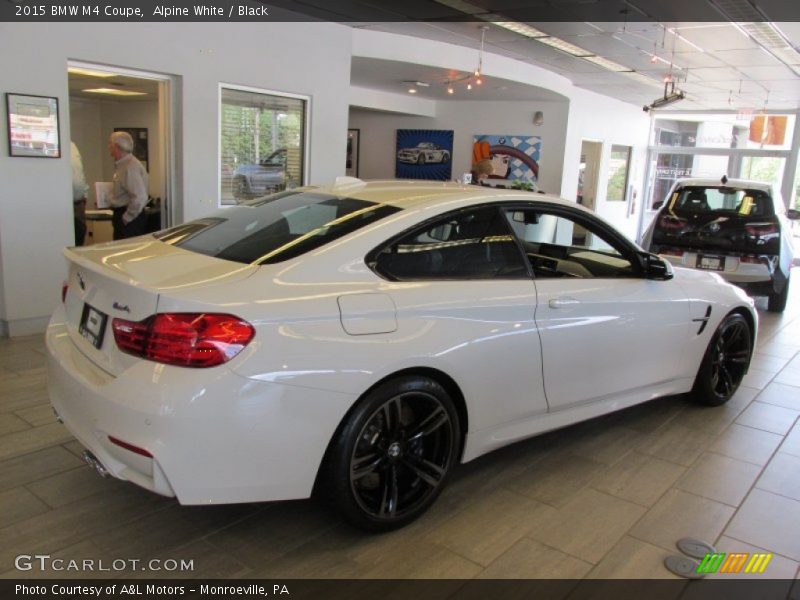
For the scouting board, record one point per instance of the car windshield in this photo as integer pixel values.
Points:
(720, 200)
(275, 228)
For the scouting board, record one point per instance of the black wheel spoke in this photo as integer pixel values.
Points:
(365, 465)
(392, 412)
(427, 471)
(390, 493)
(431, 423)
(726, 380)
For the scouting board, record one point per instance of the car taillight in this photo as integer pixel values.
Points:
(670, 251)
(761, 230)
(184, 339)
(64, 289)
(671, 223)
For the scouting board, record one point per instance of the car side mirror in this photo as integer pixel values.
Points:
(657, 205)
(656, 268)
(793, 214)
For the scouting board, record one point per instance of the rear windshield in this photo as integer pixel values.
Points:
(723, 200)
(275, 228)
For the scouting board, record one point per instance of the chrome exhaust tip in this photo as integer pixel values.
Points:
(91, 460)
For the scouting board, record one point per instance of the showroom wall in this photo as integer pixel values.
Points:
(589, 115)
(35, 207)
(599, 118)
(466, 119)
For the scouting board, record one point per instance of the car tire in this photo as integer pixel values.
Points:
(421, 159)
(392, 455)
(777, 302)
(445, 158)
(725, 362)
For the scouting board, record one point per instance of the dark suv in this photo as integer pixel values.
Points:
(737, 228)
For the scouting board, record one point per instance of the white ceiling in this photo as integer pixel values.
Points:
(717, 65)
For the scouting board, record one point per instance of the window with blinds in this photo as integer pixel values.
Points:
(261, 144)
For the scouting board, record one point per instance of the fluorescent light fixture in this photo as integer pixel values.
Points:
(89, 72)
(115, 92)
(565, 46)
(520, 28)
(461, 5)
(607, 64)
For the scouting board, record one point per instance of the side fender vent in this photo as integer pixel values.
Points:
(703, 320)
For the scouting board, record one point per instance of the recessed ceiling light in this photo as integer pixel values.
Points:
(115, 92)
(89, 72)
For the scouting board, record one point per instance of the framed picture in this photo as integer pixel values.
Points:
(351, 167)
(424, 154)
(140, 146)
(514, 157)
(33, 126)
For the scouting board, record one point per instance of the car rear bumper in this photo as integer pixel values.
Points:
(735, 270)
(214, 436)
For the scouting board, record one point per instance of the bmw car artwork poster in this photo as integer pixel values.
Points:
(424, 154)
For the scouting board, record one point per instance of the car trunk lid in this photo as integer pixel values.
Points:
(124, 280)
(717, 232)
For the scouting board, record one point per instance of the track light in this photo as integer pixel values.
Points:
(671, 95)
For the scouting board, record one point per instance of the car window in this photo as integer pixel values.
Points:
(474, 244)
(721, 200)
(275, 228)
(560, 246)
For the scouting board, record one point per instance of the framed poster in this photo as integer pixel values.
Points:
(424, 154)
(33, 126)
(514, 157)
(353, 140)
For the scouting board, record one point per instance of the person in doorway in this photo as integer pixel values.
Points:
(129, 195)
(79, 192)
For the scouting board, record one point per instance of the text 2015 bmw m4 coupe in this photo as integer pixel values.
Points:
(364, 338)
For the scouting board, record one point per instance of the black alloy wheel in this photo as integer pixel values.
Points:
(726, 361)
(394, 453)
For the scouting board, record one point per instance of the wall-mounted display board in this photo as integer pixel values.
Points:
(514, 157)
(33, 126)
(424, 154)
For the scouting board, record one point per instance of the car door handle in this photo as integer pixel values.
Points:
(563, 302)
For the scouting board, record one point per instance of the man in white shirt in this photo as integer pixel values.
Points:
(129, 195)
(79, 191)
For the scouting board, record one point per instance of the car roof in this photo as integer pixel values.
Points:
(421, 194)
(731, 183)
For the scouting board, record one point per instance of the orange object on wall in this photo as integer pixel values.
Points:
(768, 130)
(480, 151)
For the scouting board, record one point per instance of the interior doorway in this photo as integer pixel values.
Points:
(105, 99)
(588, 172)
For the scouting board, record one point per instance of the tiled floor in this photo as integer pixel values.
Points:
(603, 499)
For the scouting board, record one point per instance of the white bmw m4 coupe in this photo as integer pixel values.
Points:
(362, 339)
